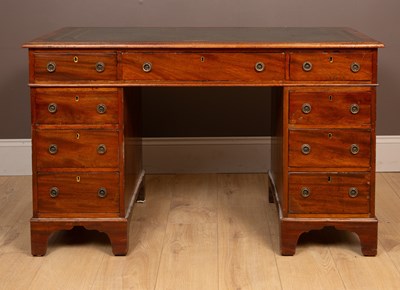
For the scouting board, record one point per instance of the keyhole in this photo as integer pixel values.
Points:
(78, 136)
(331, 59)
(202, 59)
(329, 179)
(76, 59)
(78, 179)
(330, 98)
(330, 135)
(76, 98)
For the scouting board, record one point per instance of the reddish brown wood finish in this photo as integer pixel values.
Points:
(331, 66)
(117, 230)
(77, 148)
(329, 148)
(330, 109)
(203, 66)
(76, 106)
(329, 193)
(74, 66)
(78, 193)
(202, 57)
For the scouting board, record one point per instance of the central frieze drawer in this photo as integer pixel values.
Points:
(329, 193)
(79, 66)
(75, 106)
(329, 148)
(76, 148)
(330, 108)
(78, 192)
(204, 66)
(330, 66)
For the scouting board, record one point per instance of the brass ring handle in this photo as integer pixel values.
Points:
(307, 66)
(100, 67)
(305, 149)
(53, 149)
(353, 192)
(51, 67)
(147, 66)
(54, 191)
(305, 192)
(354, 149)
(355, 67)
(354, 109)
(101, 108)
(259, 67)
(101, 149)
(52, 108)
(102, 192)
(306, 108)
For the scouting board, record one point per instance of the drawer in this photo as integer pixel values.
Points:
(330, 66)
(204, 66)
(75, 106)
(76, 148)
(78, 193)
(329, 193)
(329, 148)
(330, 108)
(79, 66)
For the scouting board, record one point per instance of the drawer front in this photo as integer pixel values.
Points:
(78, 193)
(76, 106)
(325, 108)
(329, 193)
(204, 66)
(326, 66)
(67, 67)
(76, 148)
(329, 148)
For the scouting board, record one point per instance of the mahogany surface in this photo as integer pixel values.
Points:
(85, 95)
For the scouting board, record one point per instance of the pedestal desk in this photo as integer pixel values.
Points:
(86, 121)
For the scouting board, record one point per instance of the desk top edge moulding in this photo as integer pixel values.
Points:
(86, 121)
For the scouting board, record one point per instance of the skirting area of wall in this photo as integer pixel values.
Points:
(197, 155)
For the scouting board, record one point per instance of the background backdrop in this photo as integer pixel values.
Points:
(210, 111)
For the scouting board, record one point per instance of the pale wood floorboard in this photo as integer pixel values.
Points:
(208, 231)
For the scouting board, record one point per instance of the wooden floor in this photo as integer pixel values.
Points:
(214, 231)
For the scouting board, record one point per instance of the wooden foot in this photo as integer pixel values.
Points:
(291, 229)
(117, 230)
(368, 235)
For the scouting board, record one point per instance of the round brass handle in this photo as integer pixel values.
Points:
(355, 67)
(353, 192)
(305, 149)
(306, 108)
(101, 108)
(354, 149)
(100, 67)
(51, 67)
(147, 66)
(53, 149)
(52, 108)
(101, 149)
(307, 66)
(259, 67)
(54, 191)
(102, 192)
(305, 192)
(354, 109)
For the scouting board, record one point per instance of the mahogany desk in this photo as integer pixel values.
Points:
(86, 119)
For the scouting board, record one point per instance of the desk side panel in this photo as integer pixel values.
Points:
(132, 146)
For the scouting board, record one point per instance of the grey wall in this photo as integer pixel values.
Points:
(242, 109)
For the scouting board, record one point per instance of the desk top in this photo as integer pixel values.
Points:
(199, 38)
